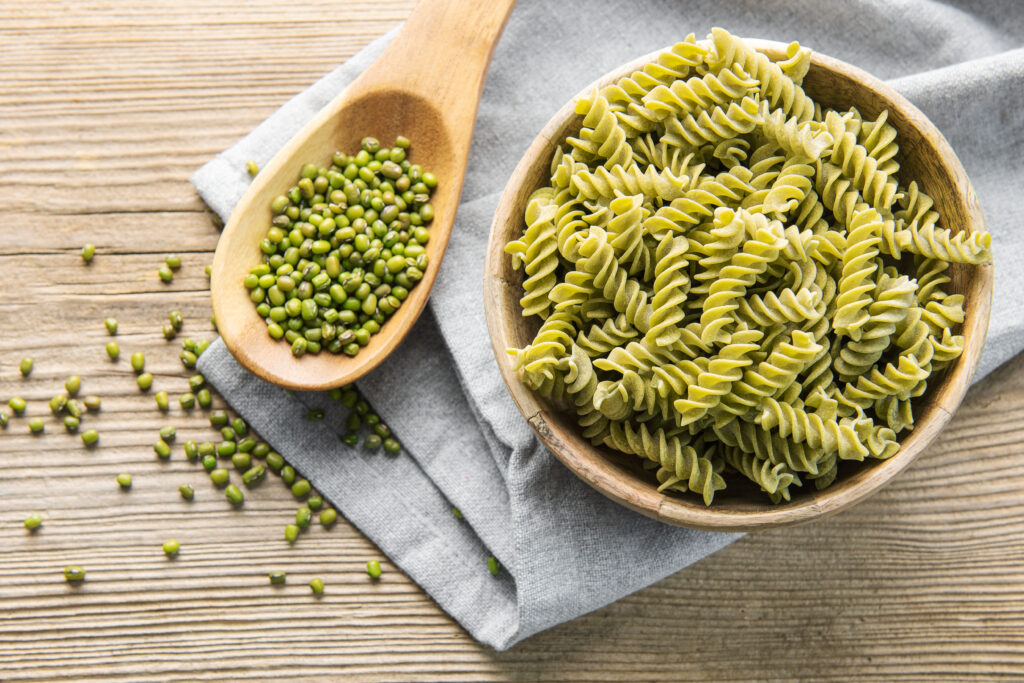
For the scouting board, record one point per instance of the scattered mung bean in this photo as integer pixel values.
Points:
(162, 450)
(57, 404)
(241, 461)
(253, 475)
(328, 517)
(234, 494)
(74, 408)
(203, 398)
(301, 488)
(74, 574)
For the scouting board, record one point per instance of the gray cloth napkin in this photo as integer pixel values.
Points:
(565, 549)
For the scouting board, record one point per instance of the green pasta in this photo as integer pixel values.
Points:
(733, 281)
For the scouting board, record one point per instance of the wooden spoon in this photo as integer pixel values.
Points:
(426, 86)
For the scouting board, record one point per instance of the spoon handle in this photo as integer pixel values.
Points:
(442, 53)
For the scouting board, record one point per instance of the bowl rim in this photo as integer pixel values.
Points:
(598, 471)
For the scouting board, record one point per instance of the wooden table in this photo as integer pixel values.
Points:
(106, 108)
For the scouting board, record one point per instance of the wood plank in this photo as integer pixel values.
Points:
(921, 582)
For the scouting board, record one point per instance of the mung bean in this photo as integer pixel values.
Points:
(234, 494)
(57, 404)
(219, 476)
(74, 574)
(203, 398)
(301, 488)
(328, 517)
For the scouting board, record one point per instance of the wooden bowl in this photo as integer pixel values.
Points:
(925, 156)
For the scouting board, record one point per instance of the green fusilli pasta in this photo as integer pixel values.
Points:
(733, 281)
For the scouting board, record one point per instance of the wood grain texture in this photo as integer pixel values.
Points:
(105, 110)
(925, 156)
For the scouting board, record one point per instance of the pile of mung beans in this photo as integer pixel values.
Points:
(345, 247)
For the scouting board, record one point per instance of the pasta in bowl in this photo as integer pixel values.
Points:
(737, 284)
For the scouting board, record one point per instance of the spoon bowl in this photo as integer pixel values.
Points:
(409, 90)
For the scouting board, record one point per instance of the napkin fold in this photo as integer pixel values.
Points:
(566, 550)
